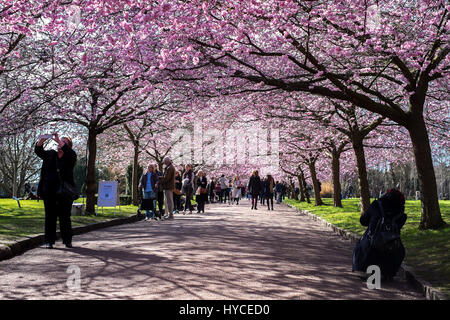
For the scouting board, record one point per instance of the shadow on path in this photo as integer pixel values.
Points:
(231, 252)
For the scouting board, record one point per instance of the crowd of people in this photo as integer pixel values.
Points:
(265, 190)
(172, 191)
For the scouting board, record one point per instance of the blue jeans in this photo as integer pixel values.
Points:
(150, 195)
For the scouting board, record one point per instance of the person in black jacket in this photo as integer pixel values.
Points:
(393, 203)
(56, 206)
(211, 189)
(254, 188)
(188, 188)
(202, 193)
(177, 192)
(159, 193)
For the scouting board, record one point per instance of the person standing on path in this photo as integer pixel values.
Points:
(202, 194)
(223, 189)
(269, 185)
(57, 167)
(159, 193)
(148, 186)
(188, 188)
(236, 190)
(278, 192)
(167, 182)
(228, 192)
(211, 189)
(254, 188)
(262, 195)
(177, 192)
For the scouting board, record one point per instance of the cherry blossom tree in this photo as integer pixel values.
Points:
(393, 68)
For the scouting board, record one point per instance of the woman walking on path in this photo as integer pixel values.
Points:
(262, 195)
(236, 190)
(211, 190)
(223, 189)
(188, 188)
(269, 185)
(254, 188)
(202, 193)
(57, 168)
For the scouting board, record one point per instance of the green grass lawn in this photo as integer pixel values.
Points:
(16, 223)
(428, 252)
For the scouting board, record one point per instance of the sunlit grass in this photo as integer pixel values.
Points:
(28, 220)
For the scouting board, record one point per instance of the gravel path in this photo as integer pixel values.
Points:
(231, 252)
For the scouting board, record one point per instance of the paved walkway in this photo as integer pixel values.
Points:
(231, 252)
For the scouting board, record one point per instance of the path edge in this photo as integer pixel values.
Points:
(406, 272)
(22, 246)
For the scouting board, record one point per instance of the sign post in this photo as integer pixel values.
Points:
(107, 195)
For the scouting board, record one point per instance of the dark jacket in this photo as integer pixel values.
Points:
(189, 188)
(279, 188)
(389, 262)
(178, 183)
(202, 182)
(153, 180)
(158, 183)
(211, 187)
(167, 181)
(49, 180)
(254, 185)
(372, 215)
(268, 186)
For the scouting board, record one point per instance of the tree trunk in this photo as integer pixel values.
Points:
(358, 148)
(431, 215)
(300, 187)
(90, 176)
(305, 191)
(336, 168)
(14, 180)
(135, 175)
(292, 193)
(312, 169)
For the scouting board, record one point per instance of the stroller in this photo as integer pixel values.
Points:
(146, 204)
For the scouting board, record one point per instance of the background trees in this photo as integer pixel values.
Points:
(366, 79)
(330, 49)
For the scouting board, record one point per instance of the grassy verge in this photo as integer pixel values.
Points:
(16, 223)
(428, 252)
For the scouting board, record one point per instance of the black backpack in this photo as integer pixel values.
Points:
(386, 237)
